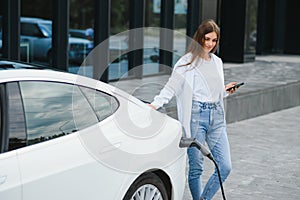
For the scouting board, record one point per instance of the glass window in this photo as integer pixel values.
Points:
(28, 29)
(54, 109)
(103, 104)
(35, 42)
(46, 29)
(151, 37)
(250, 27)
(210, 9)
(81, 30)
(179, 43)
(16, 120)
(118, 41)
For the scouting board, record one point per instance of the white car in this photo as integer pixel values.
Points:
(65, 136)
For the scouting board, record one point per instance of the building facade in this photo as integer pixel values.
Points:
(163, 29)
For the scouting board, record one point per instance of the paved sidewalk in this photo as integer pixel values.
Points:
(265, 157)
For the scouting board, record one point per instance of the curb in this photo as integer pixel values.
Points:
(261, 102)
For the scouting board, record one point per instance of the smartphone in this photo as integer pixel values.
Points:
(235, 86)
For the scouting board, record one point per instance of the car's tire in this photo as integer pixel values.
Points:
(147, 187)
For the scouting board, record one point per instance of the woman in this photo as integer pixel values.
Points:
(197, 81)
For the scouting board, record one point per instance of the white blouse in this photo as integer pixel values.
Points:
(208, 86)
(181, 85)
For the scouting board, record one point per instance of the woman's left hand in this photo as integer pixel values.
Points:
(229, 85)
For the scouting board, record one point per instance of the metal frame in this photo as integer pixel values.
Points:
(11, 29)
(193, 18)
(136, 38)
(101, 35)
(166, 39)
(60, 34)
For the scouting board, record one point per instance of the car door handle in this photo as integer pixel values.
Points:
(2, 179)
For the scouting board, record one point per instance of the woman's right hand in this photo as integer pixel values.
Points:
(152, 106)
(229, 85)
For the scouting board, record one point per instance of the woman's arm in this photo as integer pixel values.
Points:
(171, 88)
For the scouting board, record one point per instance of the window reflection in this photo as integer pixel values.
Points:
(151, 38)
(16, 120)
(54, 109)
(103, 104)
(250, 27)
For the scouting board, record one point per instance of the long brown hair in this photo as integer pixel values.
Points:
(195, 47)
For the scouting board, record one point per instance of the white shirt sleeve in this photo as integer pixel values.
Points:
(173, 86)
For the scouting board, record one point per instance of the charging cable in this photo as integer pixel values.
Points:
(192, 142)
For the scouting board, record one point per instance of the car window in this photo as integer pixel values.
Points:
(46, 28)
(103, 104)
(54, 109)
(16, 120)
(28, 29)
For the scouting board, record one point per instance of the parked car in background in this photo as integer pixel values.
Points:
(117, 46)
(64, 136)
(78, 33)
(37, 33)
(36, 42)
(81, 33)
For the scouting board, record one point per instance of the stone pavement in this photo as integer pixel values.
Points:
(265, 158)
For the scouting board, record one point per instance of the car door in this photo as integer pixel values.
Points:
(54, 164)
(10, 179)
(10, 182)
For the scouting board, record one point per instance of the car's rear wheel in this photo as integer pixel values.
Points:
(147, 187)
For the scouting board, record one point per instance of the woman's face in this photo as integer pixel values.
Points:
(209, 41)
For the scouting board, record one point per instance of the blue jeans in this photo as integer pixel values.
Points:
(208, 125)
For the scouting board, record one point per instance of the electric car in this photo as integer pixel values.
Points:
(65, 136)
